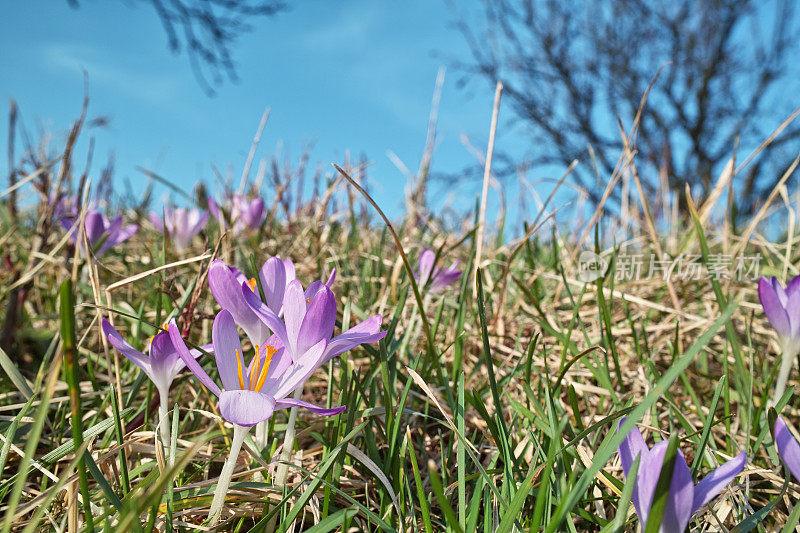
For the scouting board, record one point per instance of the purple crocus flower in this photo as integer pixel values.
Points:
(788, 447)
(309, 317)
(782, 307)
(226, 286)
(66, 205)
(250, 393)
(685, 498)
(102, 233)
(247, 215)
(244, 214)
(439, 277)
(161, 366)
(182, 224)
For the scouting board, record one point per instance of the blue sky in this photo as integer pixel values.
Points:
(355, 76)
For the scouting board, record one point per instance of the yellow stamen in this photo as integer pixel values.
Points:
(252, 284)
(265, 369)
(239, 368)
(164, 326)
(254, 371)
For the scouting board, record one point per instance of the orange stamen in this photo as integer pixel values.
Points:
(252, 284)
(265, 369)
(164, 326)
(254, 371)
(239, 368)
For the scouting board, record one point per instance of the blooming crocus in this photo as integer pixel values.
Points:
(439, 277)
(244, 214)
(226, 285)
(161, 366)
(247, 215)
(309, 317)
(684, 497)
(788, 447)
(102, 233)
(250, 393)
(782, 307)
(182, 224)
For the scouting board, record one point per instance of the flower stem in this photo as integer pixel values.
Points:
(288, 441)
(261, 435)
(239, 433)
(163, 424)
(783, 375)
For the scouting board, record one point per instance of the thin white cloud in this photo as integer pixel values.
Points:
(155, 89)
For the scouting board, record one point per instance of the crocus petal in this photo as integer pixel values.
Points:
(118, 342)
(793, 312)
(240, 277)
(215, 211)
(779, 290)
(112, 230)
(312, 290)
(364, 332)
(164, 360)
(678, 510)
(179, 365)
(773, 309)
(793, 286)
(294, 310)
(268, 317)
(273, 281)
(447, 277)
(156, 221)
(632, 446)
(95, 225)
(788, 447)
(202, 220)
(714, 482)
(245, 407)
(206, 348)
(300, 370)
(189, 361)
(331, 279)
(161, 348)
(426, 261)
(117, 237)
(288, 265)
(291, 402)
(227, 291)
(67, 222)
(318, 322)
(647, 479)
(256, 213)
(225, 338)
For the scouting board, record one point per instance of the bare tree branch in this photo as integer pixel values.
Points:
(208, 30)
(571, 69)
